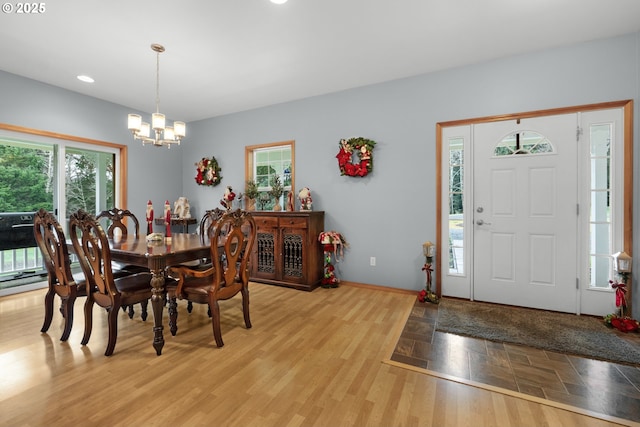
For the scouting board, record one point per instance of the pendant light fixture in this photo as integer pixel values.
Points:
(163, 135)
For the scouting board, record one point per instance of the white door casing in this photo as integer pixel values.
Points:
(595, 186)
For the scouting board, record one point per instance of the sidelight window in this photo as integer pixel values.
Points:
(600, 218)
(456, 205)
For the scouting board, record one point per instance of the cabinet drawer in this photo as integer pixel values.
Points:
(293, 222)
(266, 222)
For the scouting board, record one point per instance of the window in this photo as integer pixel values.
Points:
(456, 205)
(526, 142)
(266, 161)
(60, 173)
(89, 183)
(600, 218)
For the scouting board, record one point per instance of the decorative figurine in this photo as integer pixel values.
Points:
(149, 217)
(332, 243)
(305, 199)
(181, 208)
(167, 219)
(290, 204)
(227, 199)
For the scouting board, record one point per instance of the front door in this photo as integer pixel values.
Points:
(525, 193)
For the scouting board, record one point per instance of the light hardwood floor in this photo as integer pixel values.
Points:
(311, 359)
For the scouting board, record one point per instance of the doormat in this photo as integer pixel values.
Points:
(560, 332)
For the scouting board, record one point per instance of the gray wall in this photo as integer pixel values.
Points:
(153, 173)
(388, 214)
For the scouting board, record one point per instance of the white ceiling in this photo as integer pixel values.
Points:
(224, 56)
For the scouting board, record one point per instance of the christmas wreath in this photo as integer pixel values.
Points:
(208, 172)
(364, 148)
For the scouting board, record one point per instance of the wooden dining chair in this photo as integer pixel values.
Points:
(117, 225)
(91, 245)
(207, 221)
(118, 222)
(232, 238)
(55, 255)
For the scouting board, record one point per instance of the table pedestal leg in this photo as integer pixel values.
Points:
(157, 303)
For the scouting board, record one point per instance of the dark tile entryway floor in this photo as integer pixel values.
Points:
(606, 388)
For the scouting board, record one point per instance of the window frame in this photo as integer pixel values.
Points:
(249, 156)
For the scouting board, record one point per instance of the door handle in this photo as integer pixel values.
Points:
(481, 222)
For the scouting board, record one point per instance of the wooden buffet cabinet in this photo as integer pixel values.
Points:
(287, 251)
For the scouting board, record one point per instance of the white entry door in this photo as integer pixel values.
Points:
(525, 212)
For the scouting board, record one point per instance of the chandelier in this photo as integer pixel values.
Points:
(163, 135)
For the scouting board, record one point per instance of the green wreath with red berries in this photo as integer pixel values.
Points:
(208, 172)
(364, 147)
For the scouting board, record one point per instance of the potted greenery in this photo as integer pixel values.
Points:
(276, 192)
(251, 194)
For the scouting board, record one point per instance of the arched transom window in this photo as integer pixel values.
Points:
(523, 142)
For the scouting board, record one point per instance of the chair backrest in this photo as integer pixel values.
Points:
(52, 243)
(237, 229)
(209, 219)
(117, 220)
(91, 245)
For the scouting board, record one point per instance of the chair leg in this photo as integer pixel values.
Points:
(112, 320)
(67, 305)
(131, 312)
(48, 310)
(144, 304)
(245, 306)
(88, 320)
(173, 316)
(215, 322)
(189, 306)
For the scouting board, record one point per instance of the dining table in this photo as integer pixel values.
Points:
(157, 255)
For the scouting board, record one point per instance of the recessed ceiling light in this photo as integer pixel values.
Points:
(279, 1)
(85, 79)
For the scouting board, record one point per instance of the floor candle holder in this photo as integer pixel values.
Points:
(427, 295)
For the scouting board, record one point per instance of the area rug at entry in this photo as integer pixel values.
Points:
(567, 333)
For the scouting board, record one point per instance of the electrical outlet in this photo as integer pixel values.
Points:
(372, 261)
